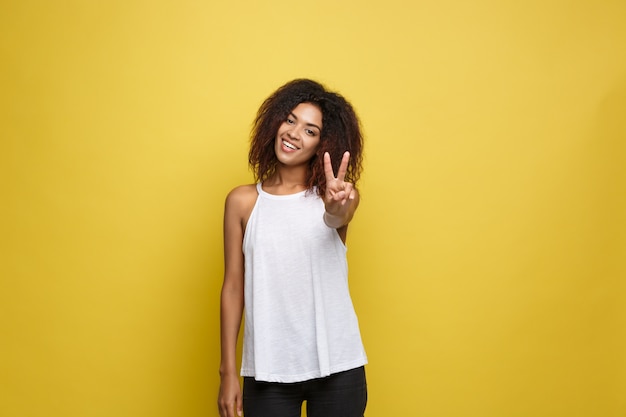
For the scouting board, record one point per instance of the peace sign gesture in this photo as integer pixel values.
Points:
(340, 198)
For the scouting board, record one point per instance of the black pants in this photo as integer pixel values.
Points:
(339, 395)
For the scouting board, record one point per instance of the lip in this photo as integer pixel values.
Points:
(283, 141)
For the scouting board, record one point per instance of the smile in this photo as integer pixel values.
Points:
(290, 145)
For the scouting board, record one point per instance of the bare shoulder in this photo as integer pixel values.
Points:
(242, 193)
(241, 199)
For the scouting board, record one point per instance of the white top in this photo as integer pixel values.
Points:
(299, 320)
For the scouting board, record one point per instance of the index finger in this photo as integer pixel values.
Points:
(328, 168)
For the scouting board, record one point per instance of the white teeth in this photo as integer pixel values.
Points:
(289, 145)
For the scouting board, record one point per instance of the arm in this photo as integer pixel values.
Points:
(232, 304)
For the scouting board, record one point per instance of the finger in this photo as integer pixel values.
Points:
(339, 196)
(343, 168)
(239, 406)
(227, 410)
(349, 190)
(328, 168)
(223, 410)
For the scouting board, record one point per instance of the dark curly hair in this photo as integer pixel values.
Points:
(341, 132)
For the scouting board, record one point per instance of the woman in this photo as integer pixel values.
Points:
(285, 255)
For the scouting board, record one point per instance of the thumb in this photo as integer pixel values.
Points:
(239, 407)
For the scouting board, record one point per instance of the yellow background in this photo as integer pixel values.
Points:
(488, 257)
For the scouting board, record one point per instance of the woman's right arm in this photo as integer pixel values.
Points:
(236, 211)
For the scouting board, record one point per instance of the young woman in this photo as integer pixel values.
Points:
(285, 260)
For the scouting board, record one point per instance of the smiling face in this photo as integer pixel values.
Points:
(299, 135)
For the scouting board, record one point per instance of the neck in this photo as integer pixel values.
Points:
(287, 180)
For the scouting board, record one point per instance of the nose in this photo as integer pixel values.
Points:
(293, 133)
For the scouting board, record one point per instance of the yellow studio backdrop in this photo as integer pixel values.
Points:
(488, 257)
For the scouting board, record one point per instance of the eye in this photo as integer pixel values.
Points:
(310, 132)
(290, 121)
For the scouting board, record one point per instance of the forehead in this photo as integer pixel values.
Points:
(308, 113)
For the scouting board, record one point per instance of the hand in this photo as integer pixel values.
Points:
(338, 193)
(230, 397)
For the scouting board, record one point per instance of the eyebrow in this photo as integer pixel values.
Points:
(308, 124)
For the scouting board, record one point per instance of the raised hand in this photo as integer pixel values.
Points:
(339, 193)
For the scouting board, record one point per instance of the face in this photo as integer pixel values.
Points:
(299, 135)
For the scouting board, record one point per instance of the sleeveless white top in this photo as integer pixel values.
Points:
(300, 323)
